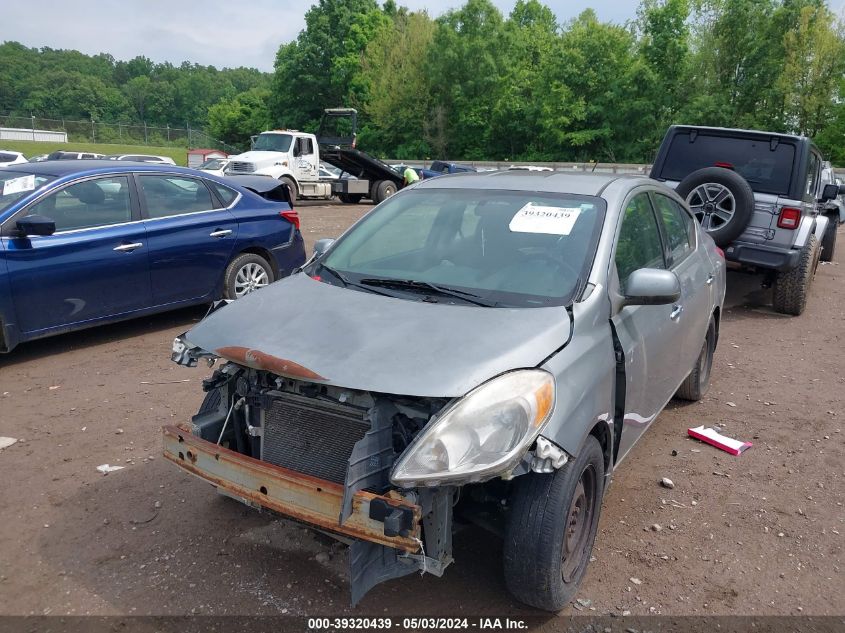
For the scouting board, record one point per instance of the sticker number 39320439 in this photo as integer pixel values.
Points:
(539, 219)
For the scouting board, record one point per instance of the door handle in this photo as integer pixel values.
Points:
(676, 312)
(128, 248)
(220, 233)
(710, 279)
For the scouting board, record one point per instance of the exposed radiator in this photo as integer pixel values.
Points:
(311, 436)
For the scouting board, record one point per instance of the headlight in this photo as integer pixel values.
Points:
(482, 435)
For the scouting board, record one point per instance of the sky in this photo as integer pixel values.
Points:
(222, 33)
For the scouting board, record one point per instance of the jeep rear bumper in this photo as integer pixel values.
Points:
(296, 495)
(760, 256)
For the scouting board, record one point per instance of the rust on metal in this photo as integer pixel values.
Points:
(260, 360)
(287, 492)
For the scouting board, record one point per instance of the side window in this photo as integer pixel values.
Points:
(639, 243)
(679, 227)
(812, 176)
(226, 195)
(174, 195)
(99, 202)
(307, 147)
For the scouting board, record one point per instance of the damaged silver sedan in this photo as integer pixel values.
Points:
(480, 348)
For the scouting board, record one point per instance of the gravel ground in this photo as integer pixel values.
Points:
(756, 534)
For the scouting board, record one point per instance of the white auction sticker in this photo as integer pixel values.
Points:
(17, 185)
(537, 219)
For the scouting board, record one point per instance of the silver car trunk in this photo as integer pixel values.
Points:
(306, 329)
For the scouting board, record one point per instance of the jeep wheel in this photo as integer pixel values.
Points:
(829, 240)
(697, 383)
(550, 529)
(721, 200)
(792, 287)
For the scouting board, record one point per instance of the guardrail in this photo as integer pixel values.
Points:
(599, 168)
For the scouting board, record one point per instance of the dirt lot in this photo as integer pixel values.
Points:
(756, 534)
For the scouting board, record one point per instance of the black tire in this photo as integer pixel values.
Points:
(294, 192)
(374, 191)
(726, 219)
(350, 198)
(829, 240)
(246, 263)
(697, 383)
(542, 518)
(792, 287)
(211, 402)
(386, 188)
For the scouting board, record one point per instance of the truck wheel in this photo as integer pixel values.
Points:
(697, 383)
(386, 188)
(721, 200)
(829, 240)
(792, 287)
(294, 193)
(550, 529)
(374, 191)
(350, 198)
(246, 273)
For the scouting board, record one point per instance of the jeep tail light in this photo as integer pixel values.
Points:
(292, 217)
(789, 218)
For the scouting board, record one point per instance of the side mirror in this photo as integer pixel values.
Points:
(652, 287)
(36, 225)
(831, 192)
(321, 246)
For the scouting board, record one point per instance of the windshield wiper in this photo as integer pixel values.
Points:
(347, 282)
(427, 287)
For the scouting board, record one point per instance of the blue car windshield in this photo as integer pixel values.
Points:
(14, 185)
(509, 248)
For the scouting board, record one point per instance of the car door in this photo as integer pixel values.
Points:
(305, 160)
(95, 264)
(648, 335)
(191, 237)
(689, 261)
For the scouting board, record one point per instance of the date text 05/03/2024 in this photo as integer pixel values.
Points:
(421, 623)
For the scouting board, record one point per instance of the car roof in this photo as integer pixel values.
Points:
(524, 180)
(61, 168)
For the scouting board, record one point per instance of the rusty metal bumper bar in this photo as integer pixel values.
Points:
(292, 494)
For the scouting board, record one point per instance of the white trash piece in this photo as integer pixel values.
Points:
(105, 468)
(6, 442)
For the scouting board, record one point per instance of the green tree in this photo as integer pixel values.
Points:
(234, 121)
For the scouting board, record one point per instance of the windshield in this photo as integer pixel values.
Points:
(510, 248)
(270, 142)
(213, 163)
(767, 169)
(14, 185)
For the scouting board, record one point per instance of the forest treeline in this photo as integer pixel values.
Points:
(477, 84)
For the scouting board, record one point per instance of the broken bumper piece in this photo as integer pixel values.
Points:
(302, 497)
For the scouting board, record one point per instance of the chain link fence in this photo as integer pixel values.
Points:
(93, 131)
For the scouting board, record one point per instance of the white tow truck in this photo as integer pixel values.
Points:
(293, 157)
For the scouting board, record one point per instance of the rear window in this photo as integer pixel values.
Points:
(7, 158)
(767, 169)
(226, 195)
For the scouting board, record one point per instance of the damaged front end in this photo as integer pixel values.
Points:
(388, 472)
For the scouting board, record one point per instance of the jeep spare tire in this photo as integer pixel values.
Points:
(721, 200)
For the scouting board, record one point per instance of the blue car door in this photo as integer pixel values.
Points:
(191, 238)
(94, 265)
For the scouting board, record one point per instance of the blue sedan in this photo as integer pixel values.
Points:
(89, 242)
